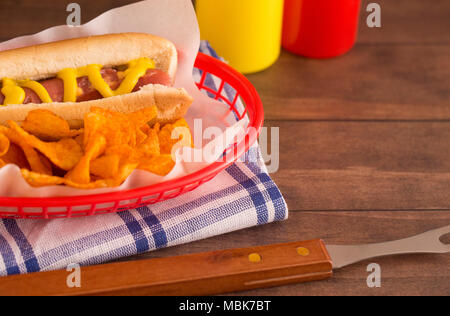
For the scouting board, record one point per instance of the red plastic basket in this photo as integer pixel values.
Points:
(87, 205)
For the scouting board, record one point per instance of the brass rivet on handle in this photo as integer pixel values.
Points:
(254, 257)
(302, 251)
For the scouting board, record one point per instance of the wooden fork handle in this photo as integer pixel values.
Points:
(196, 274)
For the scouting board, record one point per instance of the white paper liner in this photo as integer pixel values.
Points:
(174, 20)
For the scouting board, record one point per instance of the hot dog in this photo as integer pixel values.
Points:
(55, 86)
(123, 72)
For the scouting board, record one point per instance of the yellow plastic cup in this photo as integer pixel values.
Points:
(247, 33)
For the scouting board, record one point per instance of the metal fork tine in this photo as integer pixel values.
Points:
(442, 232)
(428, 242)
(435, 235)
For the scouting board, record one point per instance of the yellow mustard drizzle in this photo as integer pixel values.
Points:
(38, 89)
(69, 77)
(14, 93)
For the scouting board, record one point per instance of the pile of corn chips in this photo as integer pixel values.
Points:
(102, 154)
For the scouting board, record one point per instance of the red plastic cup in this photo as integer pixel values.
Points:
(320, 28)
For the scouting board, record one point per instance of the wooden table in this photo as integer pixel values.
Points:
(364, 143)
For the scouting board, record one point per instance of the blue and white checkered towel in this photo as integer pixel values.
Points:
(241, 196)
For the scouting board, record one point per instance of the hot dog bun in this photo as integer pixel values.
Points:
(172, 104)
(46, 60)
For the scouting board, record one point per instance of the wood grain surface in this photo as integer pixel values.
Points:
(354, 165)
(364, 142)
